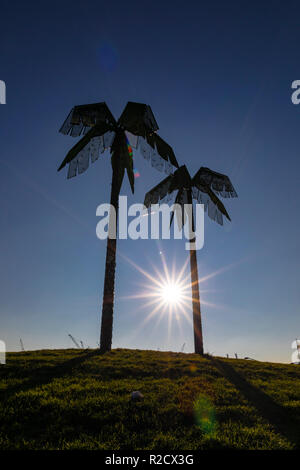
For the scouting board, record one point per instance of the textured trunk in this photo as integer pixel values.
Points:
(110, 267)
(198, 338)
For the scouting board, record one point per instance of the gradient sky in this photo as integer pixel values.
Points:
(218, 78)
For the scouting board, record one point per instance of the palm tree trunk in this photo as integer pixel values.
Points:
(198, 338)
(110, 267)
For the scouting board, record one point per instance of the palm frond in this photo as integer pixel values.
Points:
(159, 192)
(212, 204)
(181, 179)
(161, 155)
(88, 148)
(175, 182)
(140, 126)
(82, 118)
(138, 119)
(220, 183)
(179, 182)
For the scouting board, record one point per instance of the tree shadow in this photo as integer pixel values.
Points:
(45, 374)
(275, 414)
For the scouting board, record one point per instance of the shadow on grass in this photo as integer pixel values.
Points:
(275, 414)
(44, 375)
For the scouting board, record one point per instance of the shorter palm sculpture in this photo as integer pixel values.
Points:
(136, 127)
(203, 188)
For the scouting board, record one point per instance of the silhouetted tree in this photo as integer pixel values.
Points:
(203, 188)
(137, 128)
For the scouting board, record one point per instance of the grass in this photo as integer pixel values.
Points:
(74, 399)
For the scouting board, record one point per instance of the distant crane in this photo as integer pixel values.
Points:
(74, 341)
(236, 356)
(22, 345)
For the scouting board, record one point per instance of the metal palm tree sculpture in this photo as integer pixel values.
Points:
(137, 128)
(204, 188)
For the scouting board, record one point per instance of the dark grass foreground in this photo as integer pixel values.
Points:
(73, 399)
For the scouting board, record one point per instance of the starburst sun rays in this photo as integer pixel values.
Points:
(167, 292)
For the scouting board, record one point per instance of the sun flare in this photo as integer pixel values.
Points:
(166, 293)
(171, 293)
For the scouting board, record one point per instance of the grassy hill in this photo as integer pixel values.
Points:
(74, 399)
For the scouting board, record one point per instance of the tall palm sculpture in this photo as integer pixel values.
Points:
(137, 128)
(203, 187)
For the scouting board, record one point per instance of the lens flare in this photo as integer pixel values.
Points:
(135, 170)
(108, 57)
(205, 415)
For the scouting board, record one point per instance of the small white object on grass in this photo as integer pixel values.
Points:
(137, 395)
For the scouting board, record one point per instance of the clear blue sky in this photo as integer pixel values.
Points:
(218, 77)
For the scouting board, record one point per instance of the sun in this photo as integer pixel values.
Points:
(167, 293)
(171, 293)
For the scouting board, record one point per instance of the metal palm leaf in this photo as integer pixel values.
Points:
(101, 131)
(189, 188)
(82, 118)
(201, 189)
(136, 127)
(220, 183)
